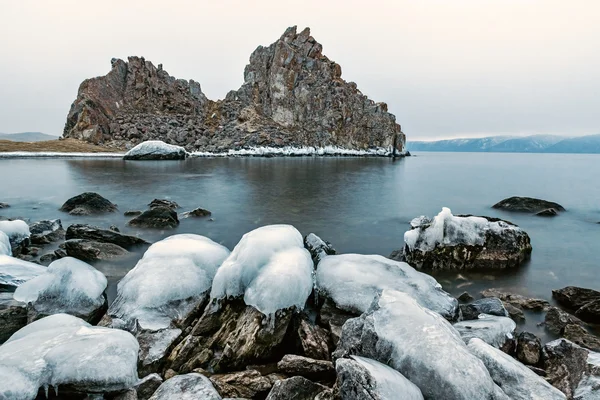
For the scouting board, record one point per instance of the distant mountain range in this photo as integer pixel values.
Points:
(513, 144)
(27, 137)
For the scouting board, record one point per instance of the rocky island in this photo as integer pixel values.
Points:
(293, 96)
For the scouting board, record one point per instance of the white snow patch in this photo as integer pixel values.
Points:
(390, 384)
(354, 280)
(171, 277)
(446, 229)
(14, 272)
(15, 230)
(68, 283)
(5, 248)
(154, 147)
(61, 349)
(493, 330)
(270, 267)
(299, 151)
(515, 379)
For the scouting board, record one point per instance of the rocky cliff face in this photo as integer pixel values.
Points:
(292, 96)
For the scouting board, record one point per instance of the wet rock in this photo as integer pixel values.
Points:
(302, 389)
(490, 306)
(46, 231)
(314, 341)
(334, 318)
(517, 300)
(529, 348)
(156, 218)
(96, 234)
(465, 297)
(60, 253)
(247, 384)
(526, 204)
(114, 228)
(13, 315)
(4, 205)
(565, 364)
(461, 242)
(146, 387)
(189, 386)
(229, 339)
(590, 312)
(198, 213)
(156, 203)
(132, 213)
(155, 150)
(88, 203)
(548, 212)
(578, 335)
(88, 250)
(556, 320)
(47, 258)
(317, 247)
(574, 297)
(293, 365)
(516, 314)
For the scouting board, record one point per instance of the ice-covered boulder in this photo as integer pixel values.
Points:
(186, 387)
(5, 248)
(352, 281)
(17, 232)
(67, 286)
(361, 378)
(154, 299)
(270, 267)
(421, 345)
(318, 247)
(62, 350)
(515, 379)
(493, 330)
(14, 272)
(490, 306)
(465, 242)
(155, 150)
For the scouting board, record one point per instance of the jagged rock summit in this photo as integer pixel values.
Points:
(292, 95)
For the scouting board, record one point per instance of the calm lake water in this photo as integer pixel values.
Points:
(361, 205)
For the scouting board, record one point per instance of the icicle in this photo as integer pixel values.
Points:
(56, 390)
(46, 390)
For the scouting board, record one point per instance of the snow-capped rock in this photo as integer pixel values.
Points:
(515, 379)
(17, 232)
(361, 378)
(421, 345)
(155, 150)
(493, 330)
(5, 248)
(65, 350)
(352, 281)
(14, 272)
(67, 286)
(465, 242)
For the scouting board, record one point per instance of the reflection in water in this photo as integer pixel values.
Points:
(361, 205)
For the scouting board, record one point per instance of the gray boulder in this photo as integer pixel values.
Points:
(96, 234)
(156, 218)
(88, 250)
(529, 348)
(565, 364)
(186, 387)
(298, 387)
(527, 204)
(556, 320)
(490, 306)
(493, 330)
(88, 203)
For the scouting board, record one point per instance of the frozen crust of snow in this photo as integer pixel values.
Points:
(515, 379)
(16, 229)
(353, 281)
(69, 284)
(5, 248)
(54, 154)
(389, 383)
(448, 230)
(186, 387)
(493, 330)
(270, 267)
(14, 272)
(428, 351)
(300, 151)
(171, 277)
(61, 349)
(154, 147)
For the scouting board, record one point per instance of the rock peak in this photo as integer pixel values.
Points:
(292, 95)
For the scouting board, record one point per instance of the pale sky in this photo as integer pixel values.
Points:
(446, 68)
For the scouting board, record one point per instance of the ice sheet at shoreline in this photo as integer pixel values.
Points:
(62, 349)
(270, 267)
(299, 151)
(51, 154)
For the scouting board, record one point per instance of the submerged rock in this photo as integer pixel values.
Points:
(156, 203)
(88, 203)
(465, 242)
(156, 218)
(292, 95)
(155, 150)
(527, 204)
(421, 345)
(549, 212)
(361, 378)
(94, 233)
(198, 213)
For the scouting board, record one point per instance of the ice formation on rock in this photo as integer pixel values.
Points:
(493, 330)
(155, 149)
(14, 272)
(5, 248)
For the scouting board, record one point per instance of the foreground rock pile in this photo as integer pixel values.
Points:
(280, 316)
(292, 95)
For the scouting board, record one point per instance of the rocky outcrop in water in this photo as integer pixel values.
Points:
(292, 95)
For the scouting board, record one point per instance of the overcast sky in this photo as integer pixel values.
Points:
(446, 68)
